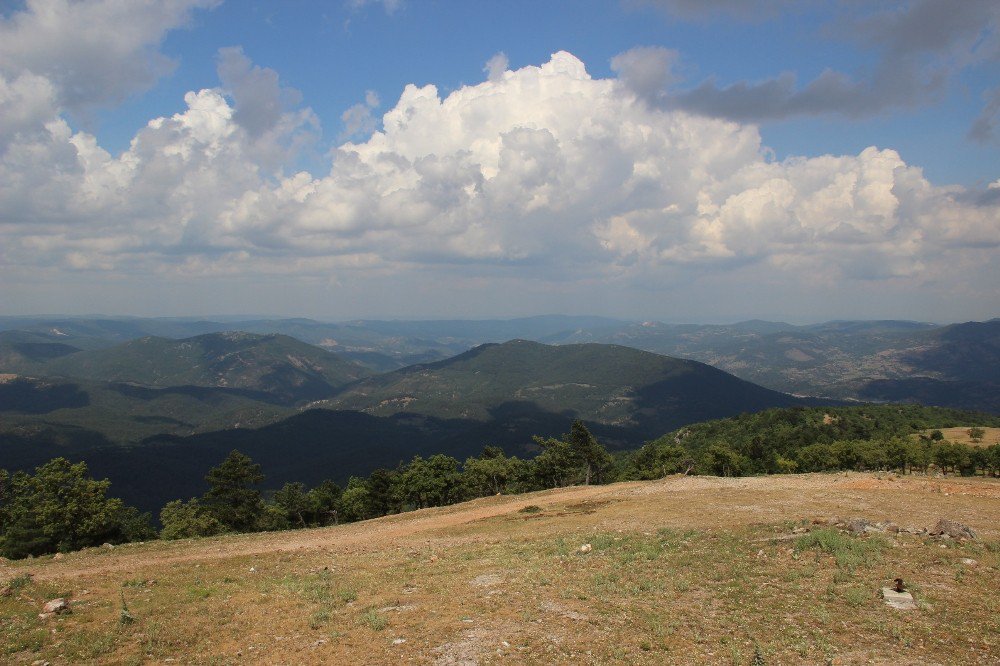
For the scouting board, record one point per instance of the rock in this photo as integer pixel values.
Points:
(59, 605)
(969, 562)
(800, 530)
(859, 526)
(54, 607)
(58, 556)
(586, 548)
(953, 529)
(6, 591)
(398, 641)
(107, 546)
(898, 600)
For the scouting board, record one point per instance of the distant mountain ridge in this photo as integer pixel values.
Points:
(275, 366)
(885, 360)
(606, 384)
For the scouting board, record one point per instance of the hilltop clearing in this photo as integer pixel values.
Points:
(682, 570)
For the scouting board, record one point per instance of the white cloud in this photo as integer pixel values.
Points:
(359, 121)
(543, 173)
(83, 49)
(496, 66)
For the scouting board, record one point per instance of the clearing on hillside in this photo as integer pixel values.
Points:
(682, 570)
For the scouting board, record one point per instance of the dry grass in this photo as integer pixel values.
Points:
(685, 570)
(961, 436)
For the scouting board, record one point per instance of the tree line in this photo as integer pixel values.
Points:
(60, 508)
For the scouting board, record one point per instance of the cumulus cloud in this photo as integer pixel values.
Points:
(542, 173)
(359, 120)
(917, 48)
(496, 66)
(82, 50)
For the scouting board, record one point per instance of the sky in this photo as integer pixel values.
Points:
(676, 160)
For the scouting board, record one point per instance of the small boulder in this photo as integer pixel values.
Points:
(586, 548)
(54, 607)
(898, 600)
(953, 529)
(58, 556)
(859, 526)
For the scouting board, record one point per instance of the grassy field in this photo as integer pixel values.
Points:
(961, 436)
(683, 570)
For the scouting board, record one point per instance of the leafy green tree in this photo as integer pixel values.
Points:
(556, 466)
(356, 502)
(183, 520)
(431, 482)
(294, 503)
(721, 460)
(937, 435)
(817, 458)
(61, 508)
(593, 457)
(661, 458)
(324, 503)
(231, 496)
(976, 434)
(491, 474)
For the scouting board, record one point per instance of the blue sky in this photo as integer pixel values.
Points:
(675, 159)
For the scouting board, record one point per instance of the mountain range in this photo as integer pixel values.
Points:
(146, 408)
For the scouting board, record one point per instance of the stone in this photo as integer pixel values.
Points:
(859, 526)
(58, 556)
(59, 605)
(398, 641)
(586, 548)
(969, 562)
(953, 529)
(898, 600)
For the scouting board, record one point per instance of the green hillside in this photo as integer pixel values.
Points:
(603, 384)
(278, 368)
(74, 412)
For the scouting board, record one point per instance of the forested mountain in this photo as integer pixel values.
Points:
(954, 365)
(604, 384)
(274, 368)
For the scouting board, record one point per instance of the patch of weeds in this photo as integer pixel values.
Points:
(134, 582)
(199, 592)
(18, 583)
(88, 645)
(153, 641)
(318, 619)
(855, 597)
(374, 620)
(992, 546)
(849, 552)
(347, 595)
(125, 617)
(682, 585)
(531, 508)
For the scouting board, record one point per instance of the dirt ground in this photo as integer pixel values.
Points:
(677, 562)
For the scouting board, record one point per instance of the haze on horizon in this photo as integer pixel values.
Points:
(646, 159)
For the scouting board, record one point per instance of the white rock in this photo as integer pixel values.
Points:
(586, 548)
(898, 600)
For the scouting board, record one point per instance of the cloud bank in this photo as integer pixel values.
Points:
(541, 175)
